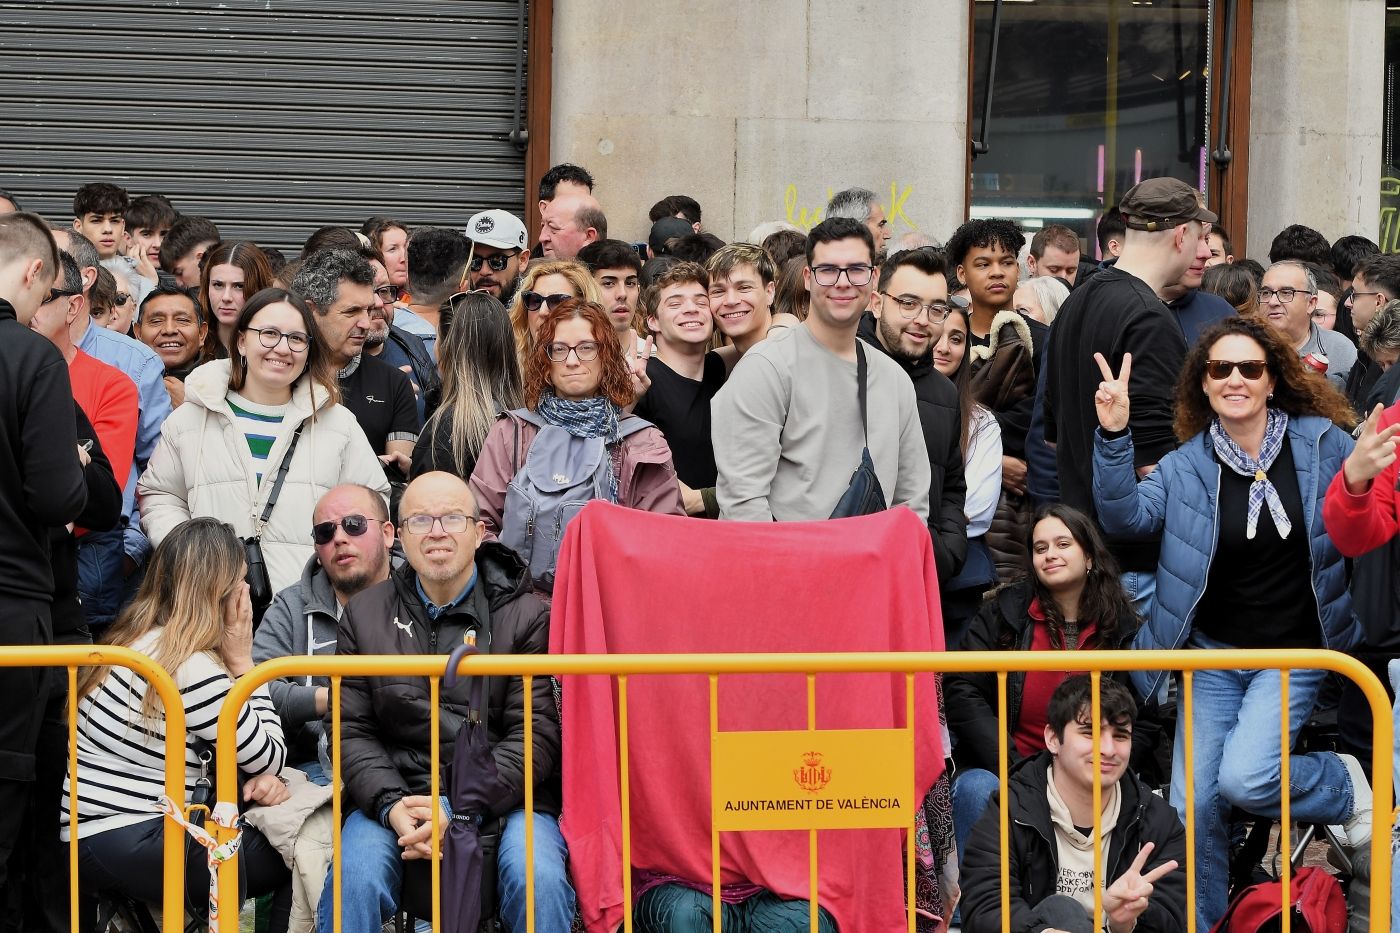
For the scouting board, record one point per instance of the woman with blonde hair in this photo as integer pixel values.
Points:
(543, 286)
(192, 616)
(480, 380)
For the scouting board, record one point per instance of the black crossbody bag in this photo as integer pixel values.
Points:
(259, 584)
(863, 495)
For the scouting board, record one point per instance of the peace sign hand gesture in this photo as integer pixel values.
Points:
(1126, 899)
(1111, 399)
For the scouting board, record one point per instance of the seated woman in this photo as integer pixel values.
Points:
(1069, 599)
(570, 442)
(1246, 563)
(192, 616)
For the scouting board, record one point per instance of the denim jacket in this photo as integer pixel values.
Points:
(1179, 500)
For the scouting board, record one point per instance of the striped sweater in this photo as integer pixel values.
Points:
(121, 759)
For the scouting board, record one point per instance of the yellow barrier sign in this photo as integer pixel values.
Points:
(826, 779)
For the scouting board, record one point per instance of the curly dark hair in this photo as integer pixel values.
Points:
(1103, 601)
(1297, 389)
(983, 233)
(615, 382)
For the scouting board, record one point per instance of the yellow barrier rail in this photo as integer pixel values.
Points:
(73, 657)
(714, 665)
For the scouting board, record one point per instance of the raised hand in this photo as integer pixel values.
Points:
(1126, 899)
(236, 647)
(1375, 450)
(638, 365)
(1111, 399)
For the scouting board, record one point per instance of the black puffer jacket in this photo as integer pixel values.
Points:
(1004, 624)
(940, 417)
(1142, 817)
(385, 726)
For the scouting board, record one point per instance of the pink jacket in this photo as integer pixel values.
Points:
(647, 481)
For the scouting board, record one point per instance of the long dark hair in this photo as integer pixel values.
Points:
(1297, 389)
(257, 275)
(1103, 601)
(962, 378)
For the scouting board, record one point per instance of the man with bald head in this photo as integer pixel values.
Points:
(570, 222)
(456, 589)
(354, 538)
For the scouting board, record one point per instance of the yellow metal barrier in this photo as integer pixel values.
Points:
(73, 657)
(714, 665)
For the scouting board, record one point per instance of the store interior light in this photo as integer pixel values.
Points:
(1019, 213)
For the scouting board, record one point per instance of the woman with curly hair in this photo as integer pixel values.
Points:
(1246, 563)
(543, 286)
(571, 441)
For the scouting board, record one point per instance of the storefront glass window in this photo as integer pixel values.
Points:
(1089, 98)
(1390, 136)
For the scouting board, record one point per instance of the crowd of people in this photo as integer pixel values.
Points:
(217, 455)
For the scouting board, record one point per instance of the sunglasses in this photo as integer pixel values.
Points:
(533, 300)
(497, 262)
(57, 293)
(1220, 370)
(354, 525)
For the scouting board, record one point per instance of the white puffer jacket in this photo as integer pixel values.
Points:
(202, 467)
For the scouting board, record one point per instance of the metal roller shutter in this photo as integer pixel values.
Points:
(270, 117)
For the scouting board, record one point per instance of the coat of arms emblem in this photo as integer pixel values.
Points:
(811, 777)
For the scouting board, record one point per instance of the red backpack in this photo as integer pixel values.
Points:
(1318, 906)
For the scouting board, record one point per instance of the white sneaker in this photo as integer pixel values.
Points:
(1357, 829)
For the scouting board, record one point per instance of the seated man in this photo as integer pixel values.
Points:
(353, 537)
(1051, 817)
(455, 588)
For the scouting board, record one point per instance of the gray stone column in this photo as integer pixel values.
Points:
(1315, 118)
(761, 110)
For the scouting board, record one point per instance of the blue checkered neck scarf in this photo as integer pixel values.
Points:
(590, 417)
(1261, 490)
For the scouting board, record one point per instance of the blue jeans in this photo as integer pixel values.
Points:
(372, 880)
(972, 791)
(1238, 711)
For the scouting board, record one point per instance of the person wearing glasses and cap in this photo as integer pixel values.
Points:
(1246, 562)
(498, 244)
(1115, 312)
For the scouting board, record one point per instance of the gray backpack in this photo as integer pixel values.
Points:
(560, 475)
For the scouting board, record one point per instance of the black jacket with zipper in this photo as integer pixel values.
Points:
(940, 417)
(385, 725)
(1034, 864)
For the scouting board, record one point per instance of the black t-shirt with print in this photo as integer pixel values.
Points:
(382, 400)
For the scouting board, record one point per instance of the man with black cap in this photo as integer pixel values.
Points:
(663, 231)
(498, 243)
(1118, 312)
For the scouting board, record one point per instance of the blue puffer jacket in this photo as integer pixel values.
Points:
(1178, 499)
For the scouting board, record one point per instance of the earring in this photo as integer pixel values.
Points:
(1271, 397)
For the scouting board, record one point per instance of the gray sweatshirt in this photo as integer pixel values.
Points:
(302, 620)
(787, 434)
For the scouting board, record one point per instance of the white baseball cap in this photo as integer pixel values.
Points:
(500, 229)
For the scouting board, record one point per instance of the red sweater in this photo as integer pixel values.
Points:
(1357, 524)
(109, 399)
(633, 581)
